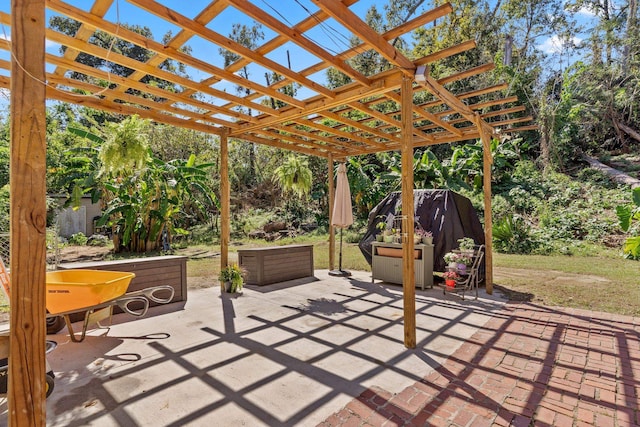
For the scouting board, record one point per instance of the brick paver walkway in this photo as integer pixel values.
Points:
(528, 366)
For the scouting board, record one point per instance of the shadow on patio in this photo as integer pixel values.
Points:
(289, 356)
(528, 365)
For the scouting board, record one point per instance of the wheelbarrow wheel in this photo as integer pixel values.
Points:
(50, 384)
(55, 324)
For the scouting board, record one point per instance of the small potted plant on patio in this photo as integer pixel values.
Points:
(450, 278)
(231, 278)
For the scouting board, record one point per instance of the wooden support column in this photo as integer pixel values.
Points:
(332, 196)
(28, 216)
(488, 221)
(225, 200)
(408, 274)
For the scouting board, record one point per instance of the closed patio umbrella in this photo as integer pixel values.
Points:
(342, 212)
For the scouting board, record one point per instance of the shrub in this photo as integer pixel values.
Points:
(98, 240)
(629, 216)
(78, 239)
(512, 234)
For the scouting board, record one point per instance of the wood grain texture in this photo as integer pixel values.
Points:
(225, 201)
(487, 161)
(28, 216)
(408, 277)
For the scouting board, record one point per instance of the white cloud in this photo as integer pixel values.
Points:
(555, 44)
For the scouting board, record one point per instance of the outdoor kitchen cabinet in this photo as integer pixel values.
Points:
(386, 263)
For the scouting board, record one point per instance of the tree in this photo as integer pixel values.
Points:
(247, 36)
(144, 197)
(89, 116)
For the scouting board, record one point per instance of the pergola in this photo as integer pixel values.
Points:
(333, 123)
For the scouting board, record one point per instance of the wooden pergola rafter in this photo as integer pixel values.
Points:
(329, 122)
(196, 104)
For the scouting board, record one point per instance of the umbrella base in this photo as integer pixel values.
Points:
(339, 273)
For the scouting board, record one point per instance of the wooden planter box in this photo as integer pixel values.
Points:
(153, 271)
(276, 263)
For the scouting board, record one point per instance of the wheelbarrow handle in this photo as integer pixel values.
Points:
(151, 293)
(123, 303)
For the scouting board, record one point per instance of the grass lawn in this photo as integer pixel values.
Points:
(605, 282)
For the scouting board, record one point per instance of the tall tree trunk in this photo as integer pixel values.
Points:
(631, 38)
(609, 31)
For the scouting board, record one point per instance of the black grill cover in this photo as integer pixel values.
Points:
(448, 215)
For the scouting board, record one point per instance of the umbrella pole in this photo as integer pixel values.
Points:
(340, 259)
(340, 272)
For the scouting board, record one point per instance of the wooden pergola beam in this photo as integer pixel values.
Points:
(408, 276)
(166, 51)
(298, 37)
(28, 216)
(360, 29)
(225, 201)
(487, 162)
(182, 21)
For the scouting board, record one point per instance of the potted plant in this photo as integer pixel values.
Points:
(463, 261)
(425, 236)
(451, 259)
(387, 235)
(231, 278)
(395, 235)
(450, 278)
(466, 244)
(381, 226)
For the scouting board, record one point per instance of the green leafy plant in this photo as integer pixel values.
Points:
(628, 216)
(78, 239)
(234, 275)
(466, 244)
(464, 259)
(143, 197)
(512, 234)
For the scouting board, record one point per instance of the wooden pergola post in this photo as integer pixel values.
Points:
(488, 221)
(225, 200)
(28, 216)
(332, 196)
(408, 275)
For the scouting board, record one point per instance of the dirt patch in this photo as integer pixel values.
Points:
(80, 254)
(546, 276)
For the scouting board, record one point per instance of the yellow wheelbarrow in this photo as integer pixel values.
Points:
(94, 293)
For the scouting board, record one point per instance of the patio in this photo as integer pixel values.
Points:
(285, 354)
(316, 120)
(329, 352)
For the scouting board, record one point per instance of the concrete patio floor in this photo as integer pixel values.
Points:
(329, 352)
(284, 354)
